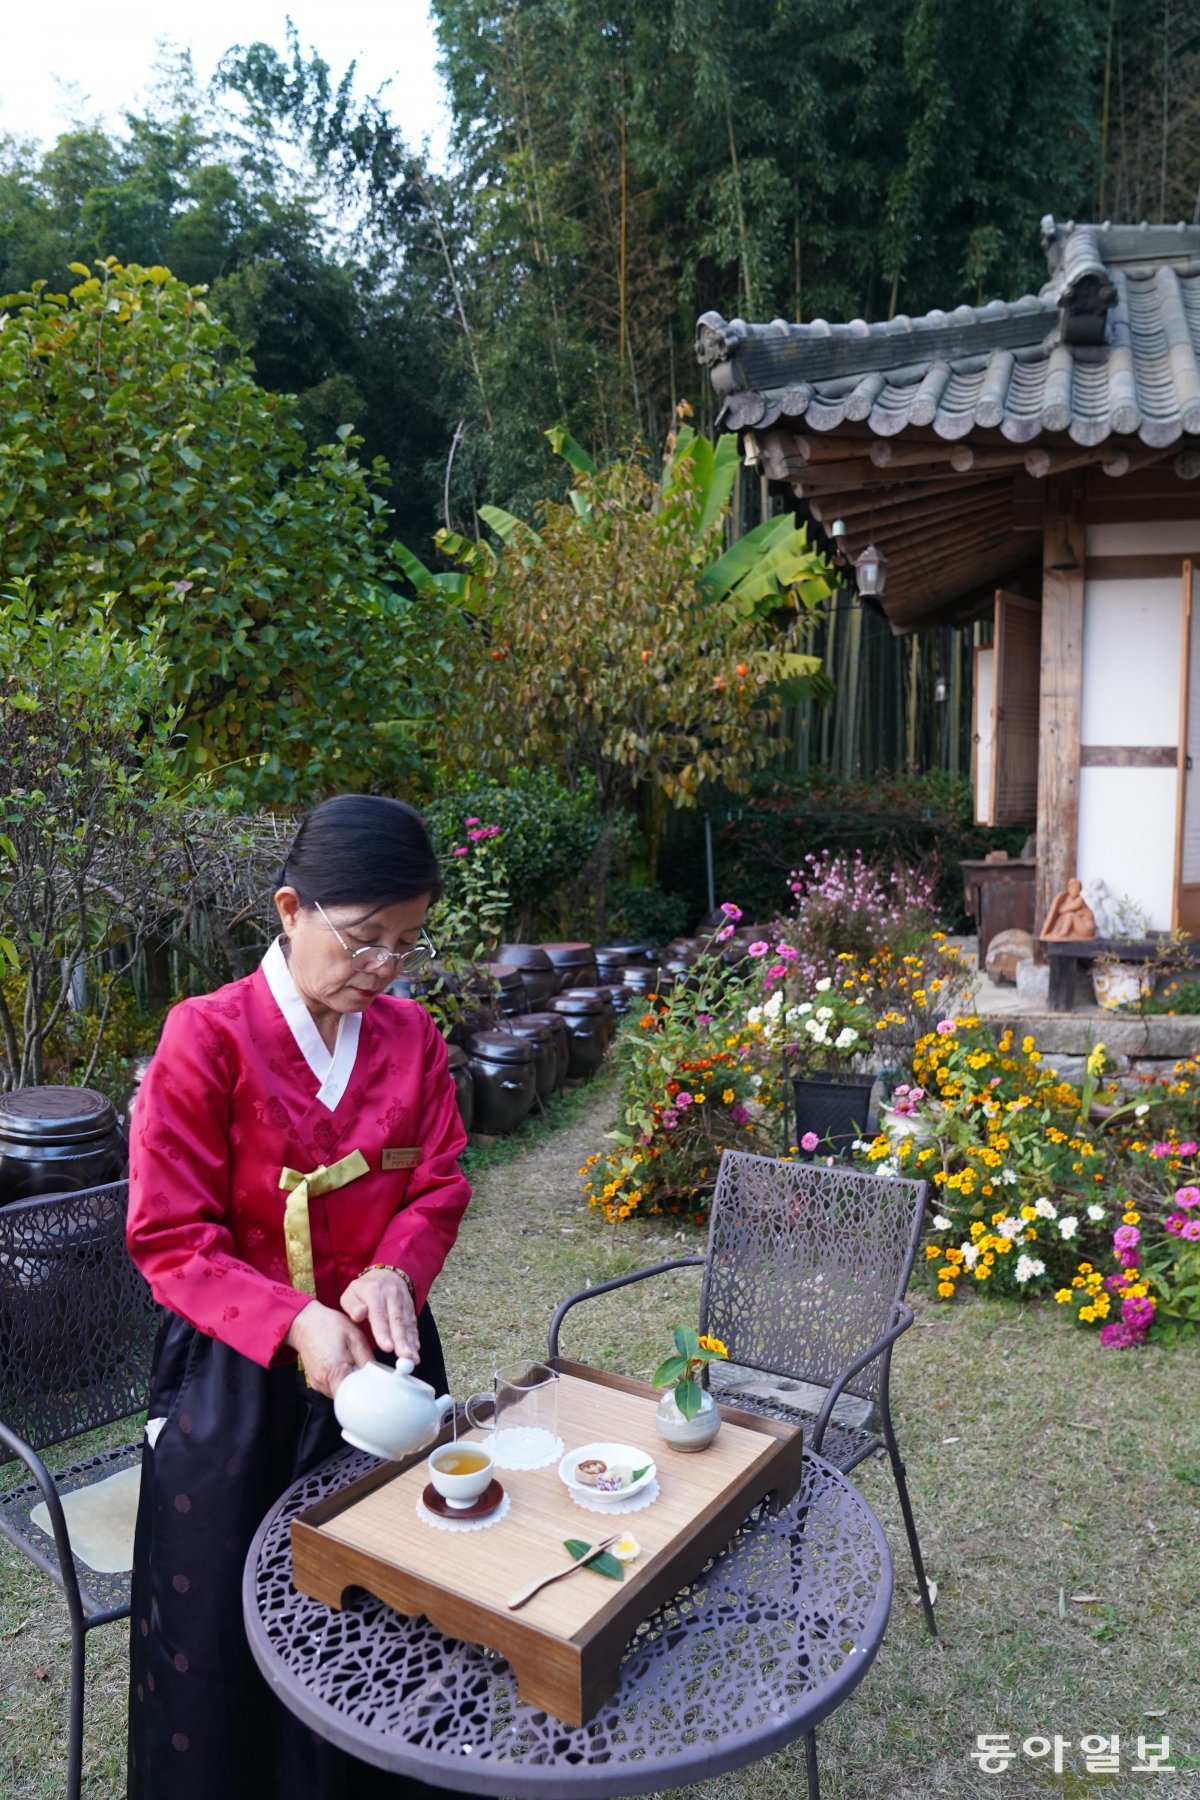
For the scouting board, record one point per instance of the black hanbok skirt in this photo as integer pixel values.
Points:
(203, 1724)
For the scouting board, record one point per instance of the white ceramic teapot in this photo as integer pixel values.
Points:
(387, 1412)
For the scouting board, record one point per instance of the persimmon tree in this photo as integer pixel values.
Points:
(616, 640)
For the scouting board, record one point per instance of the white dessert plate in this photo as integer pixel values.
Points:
(616, 1457)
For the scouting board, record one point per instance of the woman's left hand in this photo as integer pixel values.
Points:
(381, 1301)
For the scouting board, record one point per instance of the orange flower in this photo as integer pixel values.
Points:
(743, 669)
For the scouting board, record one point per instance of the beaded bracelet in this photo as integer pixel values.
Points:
(391, 1269)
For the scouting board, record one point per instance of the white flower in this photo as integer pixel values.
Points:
(1095, 1213)
(756, 1081)
(860, 1144)
(1139, 1112)
(824, 1013)
(1008, 1177)
(1028, 1267)
(823, 986)
(889, 1166)
(818, 1033)
(797, 1012)
(845, 1037)
(754, 1016)
(1068, 1226)
(1045, 1209)
(970, 1254)
(1010, 1228)
(941, 1222)
(771, 1009)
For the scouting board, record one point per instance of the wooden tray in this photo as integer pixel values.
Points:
(566, 1645)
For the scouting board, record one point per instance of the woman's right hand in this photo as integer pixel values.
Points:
(329, 1345)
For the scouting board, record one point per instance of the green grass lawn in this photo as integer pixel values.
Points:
(1041, 1469)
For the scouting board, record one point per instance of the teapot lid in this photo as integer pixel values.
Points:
(404, 1369)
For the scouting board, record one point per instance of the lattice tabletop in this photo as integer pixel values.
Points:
(774, 1635)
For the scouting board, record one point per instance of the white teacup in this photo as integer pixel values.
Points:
(462, 1487)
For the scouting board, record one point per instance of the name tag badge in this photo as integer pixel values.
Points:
(401, 1158)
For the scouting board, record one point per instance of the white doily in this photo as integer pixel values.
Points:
(511, 1459)
(440, 1524)
(635, 1503)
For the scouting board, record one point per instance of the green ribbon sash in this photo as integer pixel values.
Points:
(297, 1235)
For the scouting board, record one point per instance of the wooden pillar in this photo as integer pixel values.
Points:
(1064, 540)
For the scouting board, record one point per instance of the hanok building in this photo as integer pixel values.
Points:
(1038, 458)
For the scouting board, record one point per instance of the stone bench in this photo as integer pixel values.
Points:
(1065, 957)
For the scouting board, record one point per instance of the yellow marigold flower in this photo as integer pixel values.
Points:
(978, 1228)
(1028, 1212)
(945, 1289)
(699, 1099)
(1064, 1296)
(1088, 1313)
(931, 1252)
(1132, 1218)
(981, 1271)
(715, 1345)
(727, 1098)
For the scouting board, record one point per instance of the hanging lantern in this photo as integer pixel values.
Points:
(870, 573)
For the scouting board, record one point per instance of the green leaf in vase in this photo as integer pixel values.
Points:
(687, 1398)
(687, 1341)
(669, 1371)
(604, 1564)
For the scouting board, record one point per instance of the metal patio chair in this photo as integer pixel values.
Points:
(804, 1282)
(77, 1331)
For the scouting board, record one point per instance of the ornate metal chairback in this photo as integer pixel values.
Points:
(805, 1265)
(77, 1321)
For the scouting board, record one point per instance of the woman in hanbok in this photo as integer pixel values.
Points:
(299, 1065)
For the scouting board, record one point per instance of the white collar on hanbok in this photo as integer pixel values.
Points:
(332, 1068)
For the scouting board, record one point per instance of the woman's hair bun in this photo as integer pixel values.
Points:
(362, 849)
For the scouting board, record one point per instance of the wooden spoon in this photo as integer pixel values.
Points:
(518, 1599)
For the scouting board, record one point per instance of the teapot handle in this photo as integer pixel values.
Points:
(481, 1424)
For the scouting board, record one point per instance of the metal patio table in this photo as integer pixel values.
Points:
(763, 1646)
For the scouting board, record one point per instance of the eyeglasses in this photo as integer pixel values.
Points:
(373, 957)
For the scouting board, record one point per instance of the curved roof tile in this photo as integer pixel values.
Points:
(1111, 345)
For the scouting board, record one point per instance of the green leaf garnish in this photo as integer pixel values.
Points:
(638, 1473)
(604, 1564)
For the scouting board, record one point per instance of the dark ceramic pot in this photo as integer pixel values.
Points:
(464, 1084)
(642, 951)
(641, 980)
(610, 965)
(514, 996)
(505, 1071)
(537, 971)
(584, 1016)
(557, 1027)
(56, 1140)
(575, 964)
(609, 1011)
(546, 1046)
(619, 994)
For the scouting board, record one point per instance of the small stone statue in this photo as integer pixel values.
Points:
(1098, 897)
(1070, 916)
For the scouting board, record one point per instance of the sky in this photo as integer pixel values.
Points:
(84, 58)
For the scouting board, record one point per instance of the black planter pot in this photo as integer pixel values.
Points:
(574, 964)
(587, 1021)
(834, 1106)
(532, 1031)
(537, 971)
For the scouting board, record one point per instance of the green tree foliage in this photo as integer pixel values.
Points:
(139, 457)
(616, 642)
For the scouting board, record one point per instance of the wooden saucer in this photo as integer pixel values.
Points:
(487, 1503)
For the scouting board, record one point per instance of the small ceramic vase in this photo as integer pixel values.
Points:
(688, 1434)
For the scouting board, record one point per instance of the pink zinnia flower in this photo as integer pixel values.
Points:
(1125, 1237)
(776, 972)
(918, 1093)
(470, 821)
(1188, 1149)
(461, 850)
(759, 947)
(1161, 1149)
(738, 1114)
(788, 954)
(1176, 1223)
(683, 1101)
(1191, 1231)
(1137, 1312)
(1116, 1336)
(809, 1142)
(669, 1119)
(704, 1018)
(731, 911)
(945, 1027)
(1187, 1197)
(725, 933)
